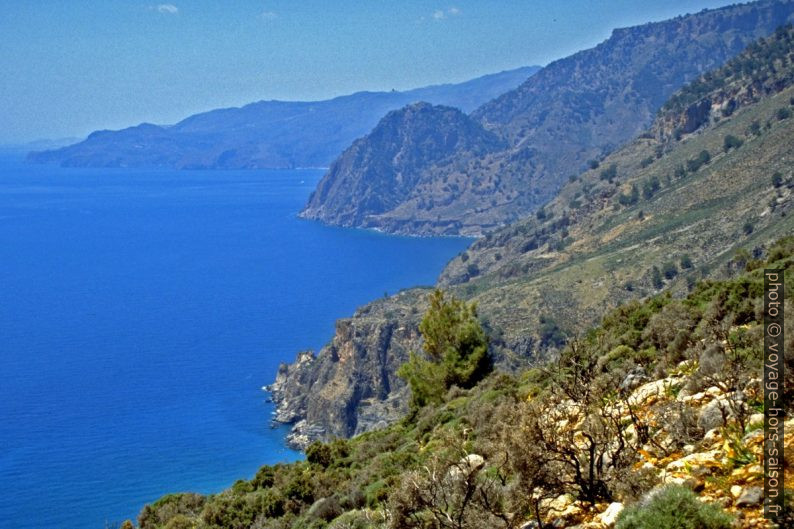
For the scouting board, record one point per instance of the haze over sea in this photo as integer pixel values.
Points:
(140, 314)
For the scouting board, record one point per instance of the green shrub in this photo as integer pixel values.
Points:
(731, 142)
(777, 179)
(674, 507)
(686, 261)
(609, 173)
(783, 113)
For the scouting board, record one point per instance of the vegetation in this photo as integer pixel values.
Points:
(456, 349)
(575, 428)
(674, 508)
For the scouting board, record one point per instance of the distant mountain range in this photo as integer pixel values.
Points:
(268, 134)
(571, 113)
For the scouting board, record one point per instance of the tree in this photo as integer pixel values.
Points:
(456, 348)
(731, 142)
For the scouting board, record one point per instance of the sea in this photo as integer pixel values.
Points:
(142, 311)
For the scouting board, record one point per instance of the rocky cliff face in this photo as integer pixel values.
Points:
(385, 168)
(574, 110)
(351, 385)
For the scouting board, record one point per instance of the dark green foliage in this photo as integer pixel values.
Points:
(551, 335)
(686, 262)
(731, 142)
(693, 164)
(755, 128)
(656, 278)
(647, 161)
(777, 179)
(783, 113)
(609, 173)
(747, 228)
(670, 270)
(593, 164)
(456, 347)
(631, 198)
(650, 187)
(674, 507)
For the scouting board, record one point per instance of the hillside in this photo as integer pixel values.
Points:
(572, 111)
(268, 134)
(653, 415)
(661, 212)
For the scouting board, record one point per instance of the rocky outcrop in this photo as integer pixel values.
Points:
(351, 385)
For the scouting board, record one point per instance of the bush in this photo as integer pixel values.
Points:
(656, 278)
(647, 161)
(631, 198)
(777, 179)
(674, 508)
(650, 187)
(747, 228)
(699, 161)
(783, 113)
(686, 261)
(669, 270)
(731, 142)
(609, 173)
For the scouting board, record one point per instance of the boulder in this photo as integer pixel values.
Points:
(610, 516)
(750, 496)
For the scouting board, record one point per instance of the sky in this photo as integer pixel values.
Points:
(68, 68)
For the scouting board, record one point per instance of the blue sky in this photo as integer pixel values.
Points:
(68, 68)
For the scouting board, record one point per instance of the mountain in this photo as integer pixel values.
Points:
(698, 193)
(573, 111)
(268, 134)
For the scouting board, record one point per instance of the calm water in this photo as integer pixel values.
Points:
(141, 312)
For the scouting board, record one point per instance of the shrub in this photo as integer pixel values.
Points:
(656, 278)
(686, 261)
(609, 173)
(777, 179)
(647, 161)
(650, 187)
(674, 508)
(747, 228)
(693, 164)
(731, 142)
(670, 270)
(631, 198)
(783, 113)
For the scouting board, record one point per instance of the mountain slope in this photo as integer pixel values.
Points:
(656, 213)
(573, 110)
(270, 134)
(626, 418)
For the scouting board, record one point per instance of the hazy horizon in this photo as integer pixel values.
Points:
(71, 69)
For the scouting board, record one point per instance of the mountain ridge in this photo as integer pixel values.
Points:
(267, 134)
(571, 112)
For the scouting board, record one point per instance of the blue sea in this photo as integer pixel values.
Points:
(141, 312)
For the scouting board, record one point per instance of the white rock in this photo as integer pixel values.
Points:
(610, 515)
(736, 491)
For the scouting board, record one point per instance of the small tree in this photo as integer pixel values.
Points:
(456, 347)
(731, 142)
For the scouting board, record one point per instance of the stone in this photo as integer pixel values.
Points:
(714, 414)
(750, 496)
(712, 436)
(736, 491)
(610, 516)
